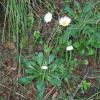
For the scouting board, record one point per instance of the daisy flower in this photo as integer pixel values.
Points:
(48, 17)
(44, 67)
(64, 21)
(69, 48)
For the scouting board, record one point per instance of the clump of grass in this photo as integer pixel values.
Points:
(19, 20)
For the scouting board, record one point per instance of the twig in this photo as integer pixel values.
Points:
(12, 91)
(78, 87)
(93, 95)
(49, 93)
(2, 4)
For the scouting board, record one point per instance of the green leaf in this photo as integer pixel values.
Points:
(39, 58)
(1, 98)
(82, 51)
(25, 80)
(77, 5)
(56, 65)
(51, 58)
(85, 62)
(30, 21)
(37, 34)
(29, 71)
(85, 85)
(46, 48)
(54, 80)
(91, 52)
(29, 64)
(26, 63)
(63, 72)
(67, 9)
(59, 61)
(88, 8)
(40, 84)
(77, 45)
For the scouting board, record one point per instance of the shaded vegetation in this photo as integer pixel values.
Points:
(46, 60)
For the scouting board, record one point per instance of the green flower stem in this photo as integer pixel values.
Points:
(53, 34)
(67, 57)
(44, 75)
(70, 57)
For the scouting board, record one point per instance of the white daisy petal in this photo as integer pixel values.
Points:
(61, 21)
(69, 48)
(64, 21)
(48, 17)
(44, 67)
(68, 20)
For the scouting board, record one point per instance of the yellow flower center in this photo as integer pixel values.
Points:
(65, 23)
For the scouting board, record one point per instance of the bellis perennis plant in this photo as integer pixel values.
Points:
(43, 69)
